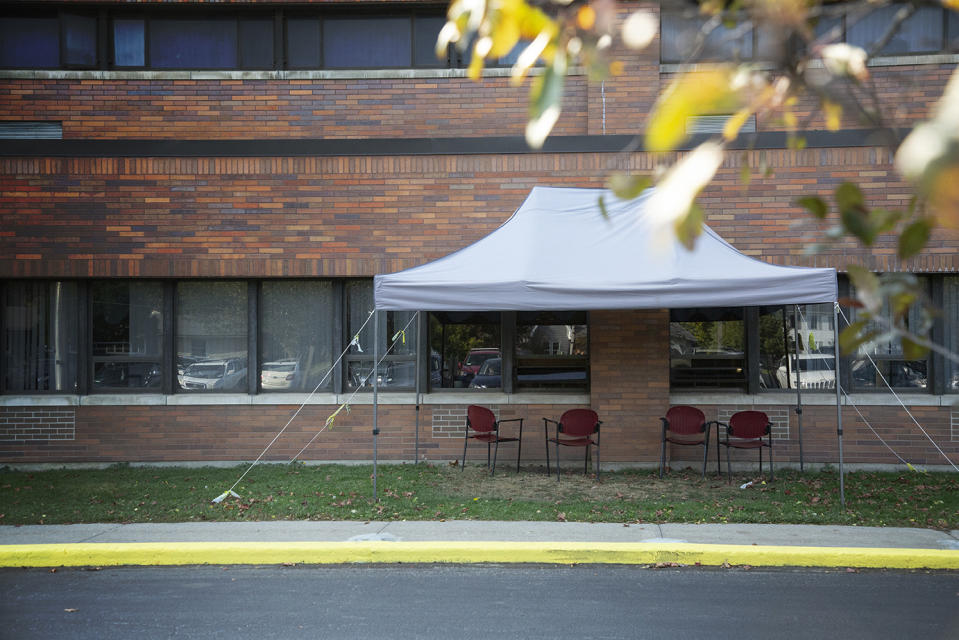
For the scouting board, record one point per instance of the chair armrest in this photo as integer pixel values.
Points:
(519, 420)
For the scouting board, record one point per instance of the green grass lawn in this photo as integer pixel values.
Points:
(423, 492)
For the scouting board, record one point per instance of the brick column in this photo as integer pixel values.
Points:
(629, 381)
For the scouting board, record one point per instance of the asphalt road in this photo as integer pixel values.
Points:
(464, 602)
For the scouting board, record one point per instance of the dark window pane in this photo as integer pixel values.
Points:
(128, 38)
(297, 334)
(256, 43)
(303, 43)
(143, 376)
(192, 43)
(366, 42)
(40, 337)
(922, 32)
(680, 34)
(551, 350)
(706, 348)
(460, 345)
(953, 43)
(211, 340)
(29, 43)
(127, 318)
(79, 39)
(831, 26)
(425, 30)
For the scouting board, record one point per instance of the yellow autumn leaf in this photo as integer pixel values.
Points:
(691, 94)
(833, 113)
(586, 17)
(735, 123)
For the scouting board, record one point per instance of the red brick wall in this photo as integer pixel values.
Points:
(629, 378)
(257, 109)
(358, 216)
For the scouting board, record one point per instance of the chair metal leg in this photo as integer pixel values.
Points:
(771, 476)
(729, 475)
(465, 442)
(489, 447)
(495, 452)
(597, 462)
(662, 458)
(705, 453)
(519, 448)
(719, 468)
(586, 461)
(546, 440)
(760, 462)
(557, 458)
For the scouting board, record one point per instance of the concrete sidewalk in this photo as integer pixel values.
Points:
(471, 541)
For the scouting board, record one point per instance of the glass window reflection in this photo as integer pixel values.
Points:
(127, 334)
(396, 342)
(211, 338)
(551, 350)
(40, 340)
(297, 335)
(460, 344)
(707, 348)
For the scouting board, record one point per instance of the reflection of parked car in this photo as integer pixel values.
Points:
(471, 366)
(489, 376)
(222, 375)
(816, 371)
(281, 374)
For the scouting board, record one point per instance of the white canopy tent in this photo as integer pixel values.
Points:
(559, 251)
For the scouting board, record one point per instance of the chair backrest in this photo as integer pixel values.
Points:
(686, 420)
(579, 423)
(480, 418)
(749, 424)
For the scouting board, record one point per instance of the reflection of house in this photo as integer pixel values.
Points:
(236, 203)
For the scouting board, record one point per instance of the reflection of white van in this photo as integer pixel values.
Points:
(281, 374)
(816, 371)
(221, 375)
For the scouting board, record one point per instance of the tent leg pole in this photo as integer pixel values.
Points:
(416, 383)
(798, 383)
(835, 324)
(376, 357)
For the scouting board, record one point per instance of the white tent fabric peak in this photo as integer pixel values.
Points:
(558, 251)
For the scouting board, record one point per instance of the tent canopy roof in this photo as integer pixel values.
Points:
(558, 251)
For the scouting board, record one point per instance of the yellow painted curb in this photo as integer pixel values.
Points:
(225, 553)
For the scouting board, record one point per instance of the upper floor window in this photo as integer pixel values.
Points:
(52, 40)
(247, 38)
(927, 30)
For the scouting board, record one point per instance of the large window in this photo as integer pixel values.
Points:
(296, 335)
(782, 348)
(707, 348)
(881, 361)
(211, 336)
(40, 338)
(48, 40)
(397, 342)
(127, 328)
(552, 350)
(466, 350)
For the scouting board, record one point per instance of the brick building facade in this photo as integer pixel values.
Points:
(248, 179)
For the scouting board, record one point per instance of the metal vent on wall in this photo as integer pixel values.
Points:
(715, 124)
(31, 130)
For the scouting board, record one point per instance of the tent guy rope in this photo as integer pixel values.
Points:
(354, 341)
